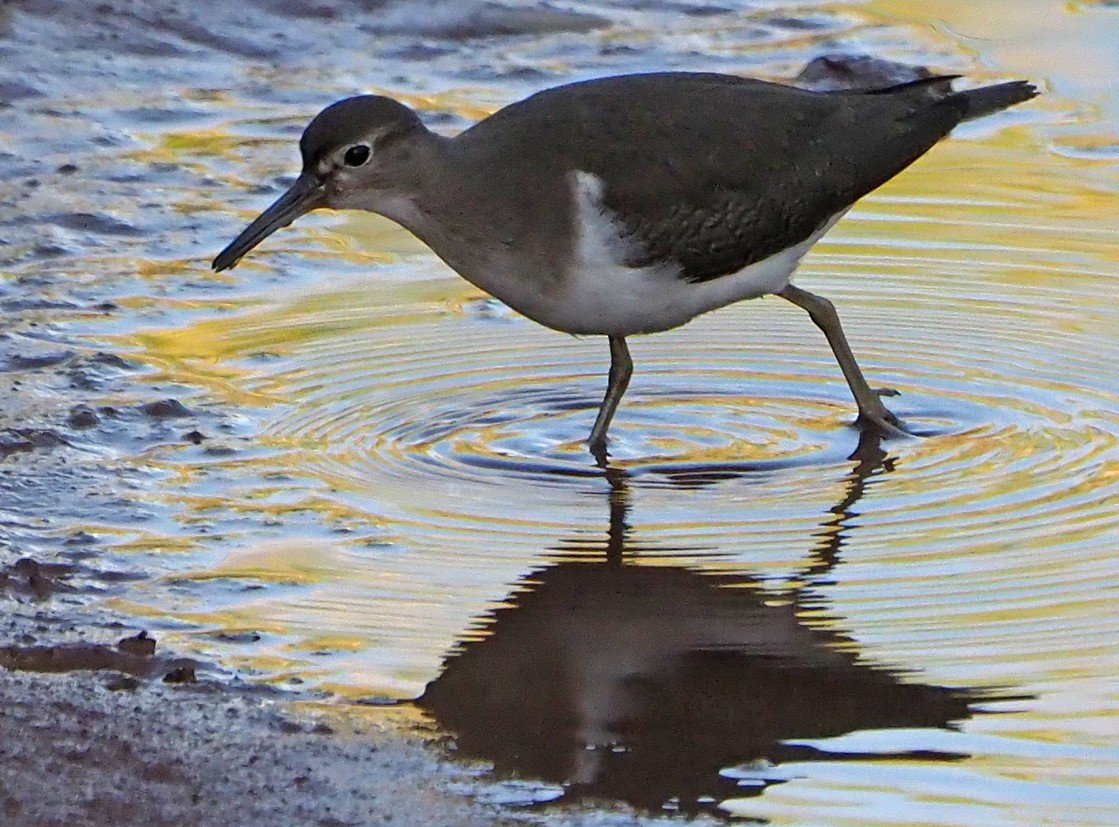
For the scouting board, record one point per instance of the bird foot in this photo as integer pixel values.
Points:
(876, 418)
(597, 447)
(881, 422)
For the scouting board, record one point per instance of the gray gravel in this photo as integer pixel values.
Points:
(75, 752)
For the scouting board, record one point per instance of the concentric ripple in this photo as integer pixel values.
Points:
(523, 407)
(476, 398)
(456, 430)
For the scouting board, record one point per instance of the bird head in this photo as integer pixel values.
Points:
(358, 153)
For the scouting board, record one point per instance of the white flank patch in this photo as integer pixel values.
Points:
(603, 296)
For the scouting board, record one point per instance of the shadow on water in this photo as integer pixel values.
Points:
(665, 687)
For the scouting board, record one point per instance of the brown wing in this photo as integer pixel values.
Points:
(717, 172)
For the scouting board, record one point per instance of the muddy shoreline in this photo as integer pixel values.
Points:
(76, 750)
(119, 734)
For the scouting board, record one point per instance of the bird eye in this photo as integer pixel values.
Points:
(356, 155)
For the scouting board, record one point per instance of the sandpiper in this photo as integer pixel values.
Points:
(631, 204)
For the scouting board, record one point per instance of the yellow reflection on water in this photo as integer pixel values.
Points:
(288, 561)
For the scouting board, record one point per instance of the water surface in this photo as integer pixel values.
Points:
(376, 488)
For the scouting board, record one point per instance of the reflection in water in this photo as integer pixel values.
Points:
(663, 686)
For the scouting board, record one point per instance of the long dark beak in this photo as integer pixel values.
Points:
(305, 195)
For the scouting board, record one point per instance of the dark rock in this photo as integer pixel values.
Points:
(165, 409)
(139, 644)
(81, 417)
(181, 674)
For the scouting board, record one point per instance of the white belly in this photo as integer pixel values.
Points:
(601, 295)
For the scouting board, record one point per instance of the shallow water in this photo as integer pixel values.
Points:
(376, 486)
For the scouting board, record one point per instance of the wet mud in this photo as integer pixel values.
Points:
(97, 749)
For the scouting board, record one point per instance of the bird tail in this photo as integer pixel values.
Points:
(968, 104)
(987, 99)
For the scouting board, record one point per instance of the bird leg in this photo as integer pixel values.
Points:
(822, 312)
(621, 369)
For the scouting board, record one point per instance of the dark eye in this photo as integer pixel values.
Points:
(356, 155)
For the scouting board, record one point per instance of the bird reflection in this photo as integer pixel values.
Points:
(642, 683)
